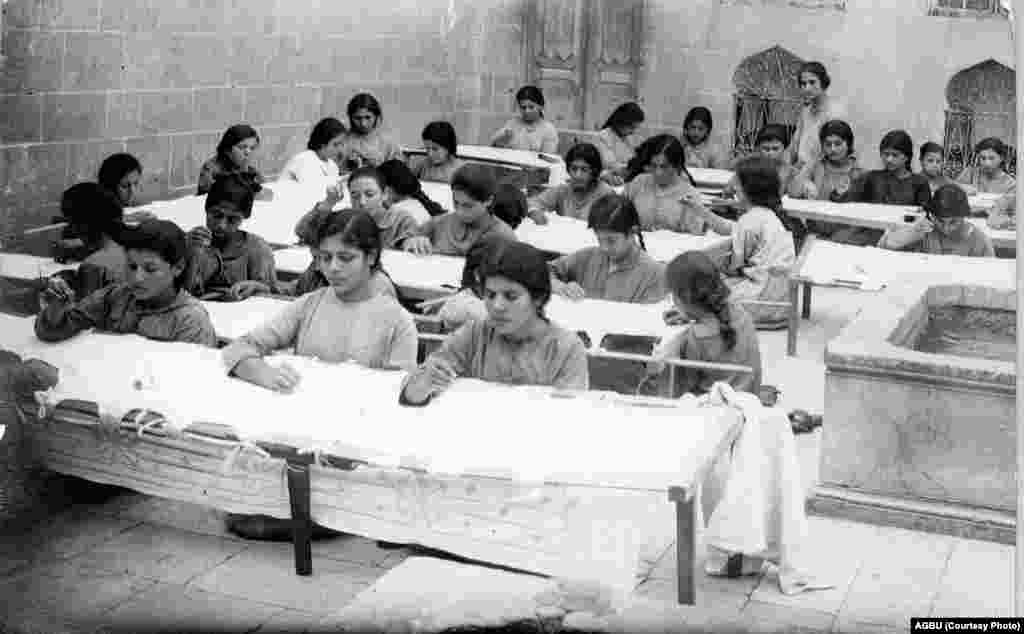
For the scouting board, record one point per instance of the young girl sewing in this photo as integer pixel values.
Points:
(345, 321)
(988, 175)
(932, 165)
(515, 344)
(317, 166)
(441, 160)
(617, 141)
(234, 156)
(945, 229)
(472, 219)
(829, 177)
(404, 194)
(529, 131)
(619, 269)
(121, 175)
(1003, 214)
(226, 262)
(573, 199)
(366, 144)
(96, 217)
(468, 303)
(719, 330)
(150, 302)
(700, 151)
(665, 197)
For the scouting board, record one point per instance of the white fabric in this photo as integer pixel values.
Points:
(19, 266)
(235, 319)
(706, 177)
(307, 169)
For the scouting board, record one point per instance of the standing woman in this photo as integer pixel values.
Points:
(317, 166)
(700, 151)
(234, 156)
(817, 109)
(365, 145)
(617, 141)
(573, 199)
(441, 160)
(529, 131)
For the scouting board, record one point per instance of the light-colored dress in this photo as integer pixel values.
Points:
(615, 151)
(370, 149)
(827, 179)
(762, 259)
(306, 168)
(376, 332)
(639, 279)
(1000, 184)
(805, 146)
(970, 242)
(674, 208)
(562, 200)
(427, 171)
(450, 236)
(706, 154)
(246, 257)
(540, 136)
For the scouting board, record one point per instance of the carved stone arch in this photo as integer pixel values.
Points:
(985, 87)
(982, 103)
(766, 92)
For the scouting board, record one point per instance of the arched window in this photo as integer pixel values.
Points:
(766, 92)
(982, 103)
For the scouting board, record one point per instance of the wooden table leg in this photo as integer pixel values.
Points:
(794, 318)
(807, 300)
(302, 523)
(686, 544)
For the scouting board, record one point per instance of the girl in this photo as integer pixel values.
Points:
(573, 199)
(515, 344)
(234, 156)
(468, 303)
(894, 184)
(944, 230)
(1004, 212)
(932, 164)
(317, 166)
(616, 141)
(829, 177)
(762, 249)
(988, 175)
(472, 219)
(121, 175)
(665, 197)
(529, 131)
(619, 269)
(771, 143)
(151, 302)
(96, 216)
(345, 321)
(403, 192)
(365, 144)
(441, 161)
(817, 109)
(700, 152)
(226, 261)
(720, 330)
(509, 204)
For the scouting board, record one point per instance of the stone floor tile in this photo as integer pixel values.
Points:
(265, 572)
(64, 535)
(183, 515)
(846, 626)
(42, 621)
(666, 570)
(353, 549)
(978, 581)
(770, 617)
(292, 622)
(662, 590)
(163, 553)
(176, 608)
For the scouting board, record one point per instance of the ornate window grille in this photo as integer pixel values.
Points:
(982, 103)
(766, 92)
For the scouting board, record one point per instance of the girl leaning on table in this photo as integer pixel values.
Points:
(441, 158)
(584, 163)
(234, 156)
(988, 175)
(617, 142)
(943, 230)
(530, 131)
(515, 344)
(700, 150)
(150, 302)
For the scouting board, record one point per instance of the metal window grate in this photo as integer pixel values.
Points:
(959, 138)
(753, 113)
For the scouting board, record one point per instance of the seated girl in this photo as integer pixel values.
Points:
(441, 160)
(894, 184)
(573, 199)
(365, 145)
(510, 205)
(763, 252)
(472, 219)
(945, 229)
(468, 303)
(1003, 214)
(97, 218)
(719, 330)
(529, 131)
(619, 269)
(345, 321)
(988, 175)
(617, 142)
(317, 166)
(665, 197)
(234, 156)
(771, 143)
(404, 194)
(225, 261)
(151, 302)
(829, 177)
(932, 165)
(515, 344)
(700, 151)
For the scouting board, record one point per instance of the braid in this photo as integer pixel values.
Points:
(433, 208)
(689, 176)
(718, 301)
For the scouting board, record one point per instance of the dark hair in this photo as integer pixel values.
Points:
(397, 175)
(817, 69)
(694, 278)
(698, 113)
(530, 93)
(475, 257)
(361, 101)
(162, 237)
(949, 201)
(356, 229)
(589, 154)
(759, 178)
(92, 210)
(839, 128)
(773, 132)
(231, 189)
(366, 171)
(115, 167)
(509, 204)
(930, 147)
(626, 114)
(991, 143)
(475, 180)
(615, 213)
(232, 137)
(324, 132)
(442, 133)
(673, 150)
(522, 264)
(900, 141)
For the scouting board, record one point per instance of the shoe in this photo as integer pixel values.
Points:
(804, 422)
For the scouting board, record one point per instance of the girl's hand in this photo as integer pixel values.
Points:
(283, 378)
(420, 245)
(334, 196)
(56, 291)
(922, 227)
(673, 317)
(200, 237)
(612, 177)
(570, 290)
(538, 216)
(436, 376)
(139, 216)
(245, 289)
